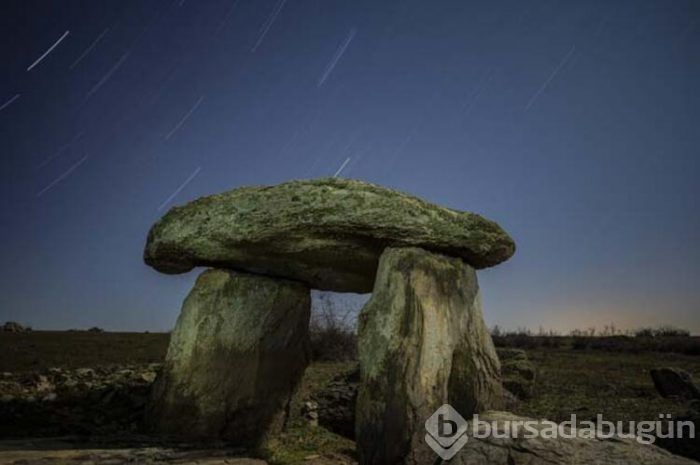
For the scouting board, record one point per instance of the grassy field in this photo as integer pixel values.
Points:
(614, 384)
(40, 350)
(582, 382)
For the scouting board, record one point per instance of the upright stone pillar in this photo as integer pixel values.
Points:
(239, 348)
(422, 343)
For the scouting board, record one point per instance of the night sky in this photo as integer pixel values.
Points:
(573, 124)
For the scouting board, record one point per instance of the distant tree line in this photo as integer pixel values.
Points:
(660, 339)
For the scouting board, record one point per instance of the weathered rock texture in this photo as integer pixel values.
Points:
(422, 343)
(237, 352)
(558, 451)
(107, 401)
(14, 327)
(674, 382)
(328, 233)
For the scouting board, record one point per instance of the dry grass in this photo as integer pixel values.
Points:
(585, 382)
(588, 382)
(39, 350)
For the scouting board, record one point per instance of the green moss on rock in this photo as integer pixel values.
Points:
(326, 232)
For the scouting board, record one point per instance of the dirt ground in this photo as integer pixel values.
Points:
(79, 397)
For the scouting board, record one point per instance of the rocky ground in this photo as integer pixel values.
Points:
(83, 401)
(97, 411)
(55, 452)
(97, 415)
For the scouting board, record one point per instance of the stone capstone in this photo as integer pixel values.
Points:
(327, 233)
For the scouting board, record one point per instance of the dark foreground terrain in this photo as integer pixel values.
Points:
(89, 390)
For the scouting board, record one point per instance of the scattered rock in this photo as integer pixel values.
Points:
(336, 403)
(14, 327)
(422, 343)
(328, 233)
(674, 382)
(43, 384)
(86, 373)
(148, 376)
(76, 454)
(239, 348)
(310, 413)
(57, 402)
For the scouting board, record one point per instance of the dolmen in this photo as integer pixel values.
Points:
(241, 342)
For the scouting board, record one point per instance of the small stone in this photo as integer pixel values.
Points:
(674, 382)
(310, 406)
(69, 383)
(85, 372)
(310, 412)
(43, 384)
(148, 376)
(50, 397)
(125, 373)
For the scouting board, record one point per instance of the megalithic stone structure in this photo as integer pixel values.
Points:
(239, 347)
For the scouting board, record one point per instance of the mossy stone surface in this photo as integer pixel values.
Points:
(325, 232)
(236, 355)
(422, 343)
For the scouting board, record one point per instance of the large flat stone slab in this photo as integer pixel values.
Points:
(328, 233)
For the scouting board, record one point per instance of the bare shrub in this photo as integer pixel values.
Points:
(662, 331)
(610, 339)
(332, 330)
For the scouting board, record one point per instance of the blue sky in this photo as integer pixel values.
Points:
(572, 124)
